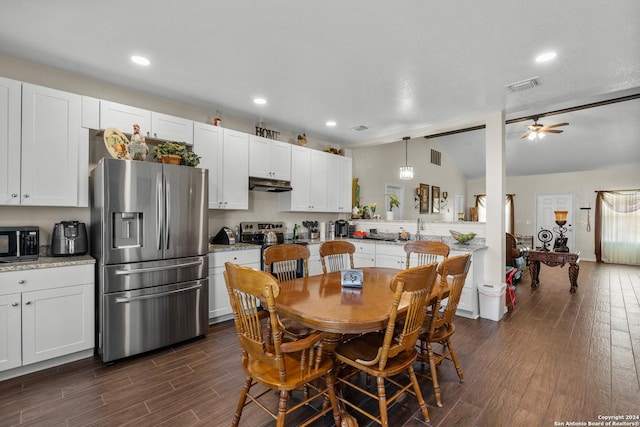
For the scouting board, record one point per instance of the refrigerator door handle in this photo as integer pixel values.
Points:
(159, 216)
(167, 203)
(160, 268)
(125, 300)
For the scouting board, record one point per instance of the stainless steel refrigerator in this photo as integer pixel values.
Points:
(149, 231)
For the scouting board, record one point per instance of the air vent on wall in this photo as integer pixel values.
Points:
(359, 128)
(523, 85)
(436, 157)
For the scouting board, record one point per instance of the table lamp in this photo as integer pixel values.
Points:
(560, 245)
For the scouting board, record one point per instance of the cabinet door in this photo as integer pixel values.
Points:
(318, 187)
(56, 322)
(344, 184)
(260, 157)
(123, 117)
(281, 160)
(10, 332)
(365, 255)
(207, 142)
(314, 263)
(171, 128)
(51, 123)
(219, 304)
(10, 117)
(235, 170)
(300, 180)
(333, 194)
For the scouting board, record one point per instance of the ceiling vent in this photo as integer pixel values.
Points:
(523, 85)
(360, 128)
(436, 157)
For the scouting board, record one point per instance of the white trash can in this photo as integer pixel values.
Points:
(492, 300)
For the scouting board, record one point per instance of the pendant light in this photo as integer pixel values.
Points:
(406, 172)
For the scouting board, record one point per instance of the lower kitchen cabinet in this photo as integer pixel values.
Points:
(468, 304)
(365, 255)
(219, 305)
(315, 265)
(390, 256)
(45, 314)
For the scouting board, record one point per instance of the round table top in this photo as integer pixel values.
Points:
(323, 304)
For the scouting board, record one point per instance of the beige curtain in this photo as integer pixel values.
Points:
(617, 227)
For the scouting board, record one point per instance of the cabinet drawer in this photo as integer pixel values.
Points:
(249, 256)
(46, 278)
(393, 250)
(365, 248)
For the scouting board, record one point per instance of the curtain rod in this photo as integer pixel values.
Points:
(609, 191)
(476, 195)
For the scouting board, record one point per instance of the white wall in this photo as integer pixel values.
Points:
(582, 184)
(380, 165)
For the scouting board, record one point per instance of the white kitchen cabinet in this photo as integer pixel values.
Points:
(10, 118)
(52, 312)
(269, 158)
(219, 305)
(314, 263)
(309, 181)
(365, 255)
(468, 305)
(339, 169)
(226, 154)
(51, 138)
(391, 256)
(153, 125)
(123, 117)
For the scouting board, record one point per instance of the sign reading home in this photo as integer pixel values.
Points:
(266, 133)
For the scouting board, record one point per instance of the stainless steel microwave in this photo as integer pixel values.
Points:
(19, 243)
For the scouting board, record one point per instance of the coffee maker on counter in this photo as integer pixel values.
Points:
(342, 228)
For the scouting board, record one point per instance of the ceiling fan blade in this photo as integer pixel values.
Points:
(526, 135)
(552, 131)
(557, 125)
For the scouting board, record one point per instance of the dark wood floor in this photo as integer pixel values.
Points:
(559, 357)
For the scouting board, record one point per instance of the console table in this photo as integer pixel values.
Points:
(554, 259)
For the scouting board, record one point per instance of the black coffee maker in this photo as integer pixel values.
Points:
(342, 228)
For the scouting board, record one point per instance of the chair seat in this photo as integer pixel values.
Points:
(365, 347)
(442, 333)
(294, 329)
(270, 377)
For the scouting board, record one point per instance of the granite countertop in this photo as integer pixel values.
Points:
(214, 247)
(47, 262)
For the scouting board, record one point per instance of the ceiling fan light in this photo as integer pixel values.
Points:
(531, 136)
(540, 135)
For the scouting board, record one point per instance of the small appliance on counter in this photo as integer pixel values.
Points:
(312, 226)
(225, 236)
(69, 238)
(341, 228)
(21, 243)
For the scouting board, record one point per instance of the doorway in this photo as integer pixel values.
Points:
(546, 204)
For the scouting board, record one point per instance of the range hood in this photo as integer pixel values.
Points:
(272, 185)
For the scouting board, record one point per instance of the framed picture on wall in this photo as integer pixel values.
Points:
(423, 194)
(435, 199)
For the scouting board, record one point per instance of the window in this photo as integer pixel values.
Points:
(617, 227)
(481, 206)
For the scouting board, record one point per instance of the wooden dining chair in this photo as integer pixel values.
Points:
(425, 252)
(336, 255)
(282, 262)
(274, 364)
(388, 353)
(438, 327)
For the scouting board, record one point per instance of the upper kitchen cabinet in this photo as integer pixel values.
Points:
(153, 125)
(269, 158)
(309, 181)
(10, 102)
(225, 153)
(51, 147)
(339, 171)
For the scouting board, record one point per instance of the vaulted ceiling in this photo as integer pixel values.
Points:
(409, 68)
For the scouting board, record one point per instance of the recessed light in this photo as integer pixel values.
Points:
(140, 60)
(260, 101)
(547, 56)
(331, 123)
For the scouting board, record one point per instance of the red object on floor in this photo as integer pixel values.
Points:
(511, 295)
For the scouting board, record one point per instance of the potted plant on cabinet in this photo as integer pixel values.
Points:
(175, 154)
(393, 201)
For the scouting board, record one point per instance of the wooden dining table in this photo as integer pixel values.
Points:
(323, 304)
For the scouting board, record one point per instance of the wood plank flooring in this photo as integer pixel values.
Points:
(558, 358)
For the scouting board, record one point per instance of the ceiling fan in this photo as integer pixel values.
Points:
(537, 130)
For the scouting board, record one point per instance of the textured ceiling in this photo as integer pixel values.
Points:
(400, 68)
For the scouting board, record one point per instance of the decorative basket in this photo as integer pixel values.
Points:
(462, 238)
(171, 159)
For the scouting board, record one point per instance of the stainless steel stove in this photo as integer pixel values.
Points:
(254, 232)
